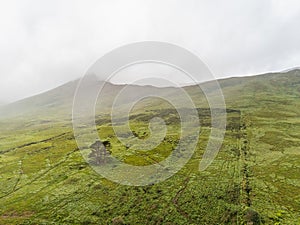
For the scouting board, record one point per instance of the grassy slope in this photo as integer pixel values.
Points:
(45, 180)
(272, 112)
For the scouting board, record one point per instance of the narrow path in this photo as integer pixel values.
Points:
(177, 196)
(32, 143)
(15, 188)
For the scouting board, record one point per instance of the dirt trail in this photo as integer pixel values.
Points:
(177, 196)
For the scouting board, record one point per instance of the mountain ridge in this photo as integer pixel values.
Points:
(62, 96)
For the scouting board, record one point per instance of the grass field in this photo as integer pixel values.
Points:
(255, 178)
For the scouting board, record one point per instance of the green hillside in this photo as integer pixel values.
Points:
(255, 178)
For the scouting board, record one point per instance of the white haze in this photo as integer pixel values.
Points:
(46, 43)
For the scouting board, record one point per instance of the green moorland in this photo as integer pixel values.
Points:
(255, 178)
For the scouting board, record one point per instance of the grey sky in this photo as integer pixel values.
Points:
(46, 43)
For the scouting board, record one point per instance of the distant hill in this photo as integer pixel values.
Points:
(291, 69)
(235, 89)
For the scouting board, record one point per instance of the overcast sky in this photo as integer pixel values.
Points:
(46, 43)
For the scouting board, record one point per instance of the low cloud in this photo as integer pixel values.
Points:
(46, 43)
